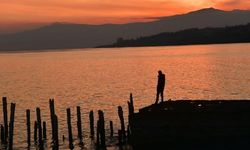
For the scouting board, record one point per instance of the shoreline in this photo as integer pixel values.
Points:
(175, 45)
(103, 48)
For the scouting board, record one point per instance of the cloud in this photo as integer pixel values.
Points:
(65, 10)
(102, 11)
(232, 4)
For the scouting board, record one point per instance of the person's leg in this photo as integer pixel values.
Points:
(157, 97)
(162, 96)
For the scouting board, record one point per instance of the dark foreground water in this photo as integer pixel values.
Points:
(103, 78)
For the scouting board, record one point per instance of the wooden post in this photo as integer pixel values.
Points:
(98, 134)
(52, 114)
(35, 132)
(91, 123)
(111, 128)
(128, 133)
(44, 130)
(39, 126)
(56, 140)
(71, 146)
(130, 108)
(28, 126)
(12, 120)
(79, 124)
(120, 114)
(5, 119)
(54, 124)
(120, 138)
(102, 128)
(63, 138)
(131, 104)
(2, 133)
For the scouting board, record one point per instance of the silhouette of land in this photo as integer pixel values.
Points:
(233, 34)
(175, 125)
(68, 36)
(196, 124)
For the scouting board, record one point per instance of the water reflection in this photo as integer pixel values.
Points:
(103, 78)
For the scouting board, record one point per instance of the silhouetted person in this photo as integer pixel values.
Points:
(160, 86)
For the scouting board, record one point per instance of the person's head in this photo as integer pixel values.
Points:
(160, 72)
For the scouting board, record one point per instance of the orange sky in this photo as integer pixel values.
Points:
(17, 14)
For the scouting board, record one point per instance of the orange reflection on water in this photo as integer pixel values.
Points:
(103, 78)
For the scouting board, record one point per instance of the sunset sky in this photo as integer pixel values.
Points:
(18, 14)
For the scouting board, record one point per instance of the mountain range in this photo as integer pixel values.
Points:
(65, 36)
(218, 35)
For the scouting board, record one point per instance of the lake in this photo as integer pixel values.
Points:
(103, 79)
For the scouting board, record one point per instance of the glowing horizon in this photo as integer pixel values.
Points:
(18, 14)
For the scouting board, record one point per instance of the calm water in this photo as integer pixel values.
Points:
(103, 78)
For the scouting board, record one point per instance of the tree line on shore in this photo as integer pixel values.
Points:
(228, 34)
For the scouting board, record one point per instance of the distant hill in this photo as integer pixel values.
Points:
(234, 34)
(62, 36)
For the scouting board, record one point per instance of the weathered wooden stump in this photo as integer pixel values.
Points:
(79, 124)
(12, 120)
(2, 134)
(39, 126)
(35, 132)
(111, 128)
(5, 119)
(44, 131)
(120, 114)
(71, 146)
(91, 124)
(102, 128)
(28, 126)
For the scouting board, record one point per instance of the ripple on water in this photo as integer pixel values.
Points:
(97, 79)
